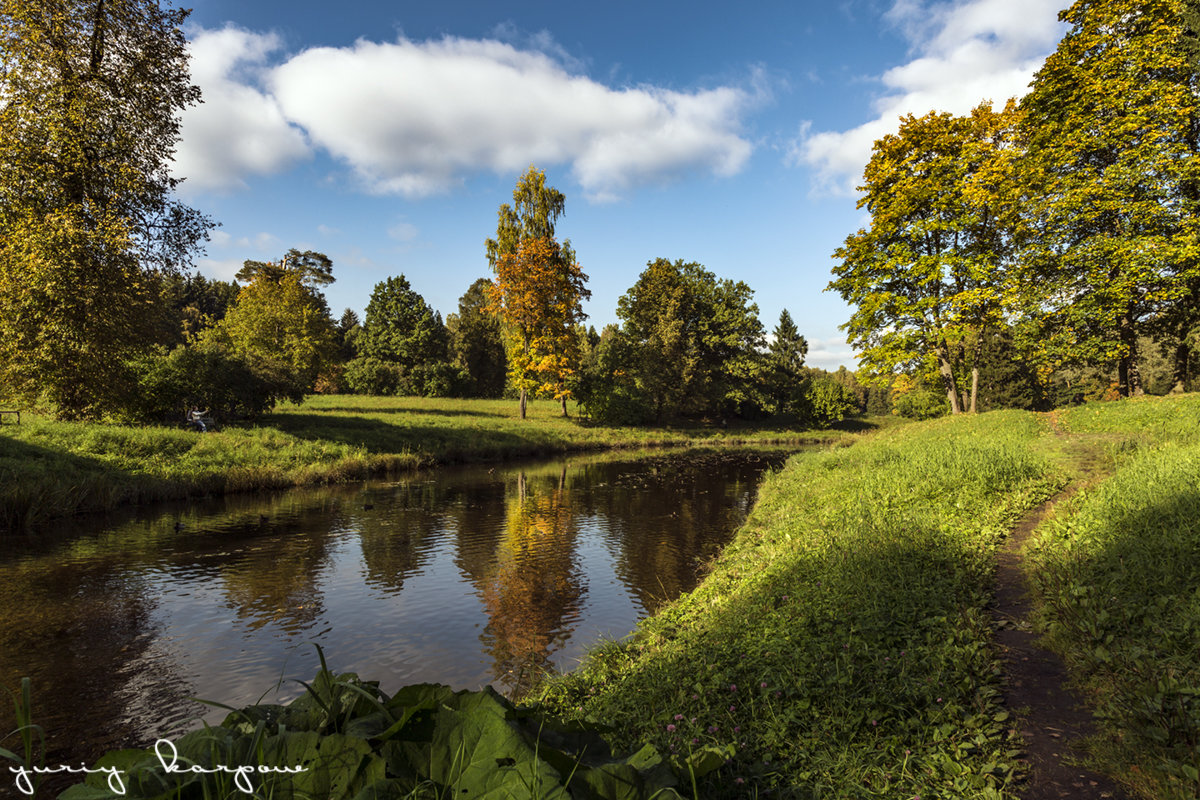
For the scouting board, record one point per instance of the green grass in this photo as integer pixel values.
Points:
(52, 468)
(840, 646)
(1118, 581)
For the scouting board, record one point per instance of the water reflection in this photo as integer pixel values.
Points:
(534, 588)
(468, 577)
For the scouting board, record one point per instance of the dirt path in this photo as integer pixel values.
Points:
(1051, 717)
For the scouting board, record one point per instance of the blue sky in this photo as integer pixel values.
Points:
(387, 134)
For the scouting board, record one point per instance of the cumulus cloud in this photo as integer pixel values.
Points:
(964, 53)
(417, 118)
(831, 353)
(238, 130)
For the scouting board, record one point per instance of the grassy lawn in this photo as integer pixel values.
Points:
(52, 468)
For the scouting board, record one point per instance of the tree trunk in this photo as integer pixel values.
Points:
(564, 406)
(522, 403)
(948, 377)
(1129, 375)
(975, 367)
(1179, 370)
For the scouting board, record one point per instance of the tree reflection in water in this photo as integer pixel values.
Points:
(534, 589)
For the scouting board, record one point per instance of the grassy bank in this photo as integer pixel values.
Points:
(55, 468)
(1118, 577)
(840, 647)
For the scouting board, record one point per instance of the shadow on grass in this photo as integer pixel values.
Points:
(839, 655)
(368, 410)
(38, 482)
(440, 443)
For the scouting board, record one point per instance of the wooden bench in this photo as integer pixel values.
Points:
(11, 411)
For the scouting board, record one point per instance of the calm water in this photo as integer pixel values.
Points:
(467, 577)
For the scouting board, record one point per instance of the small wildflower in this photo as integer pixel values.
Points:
(762, 685)
(732, 709)
(733, 687)
(713, 729)
(670, 729)
(873, 722)
(939, 699)
(678, 717)
(737, 728)
(785, 597)
(693, 720)
(695, 740)
(779, 694)
(695, 697)
(740, 781)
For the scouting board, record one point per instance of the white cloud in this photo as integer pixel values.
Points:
(326, 230)
(404, 232)
(238, 130)
(415, 118)
(221, 269)
(965, 53)
(830, 354)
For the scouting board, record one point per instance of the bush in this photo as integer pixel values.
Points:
(920, 404)
(202, 375)
(828, 402)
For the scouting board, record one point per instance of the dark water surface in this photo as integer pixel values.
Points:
(468, 576)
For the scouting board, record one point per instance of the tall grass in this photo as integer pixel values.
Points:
(839, 647)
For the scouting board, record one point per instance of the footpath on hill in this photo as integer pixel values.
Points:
(1052, 717)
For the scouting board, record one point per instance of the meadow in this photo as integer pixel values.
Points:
(50, 468)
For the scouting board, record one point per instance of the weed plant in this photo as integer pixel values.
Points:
(840, 647)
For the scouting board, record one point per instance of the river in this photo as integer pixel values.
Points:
(464, 576)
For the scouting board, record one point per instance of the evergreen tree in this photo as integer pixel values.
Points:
(785, 376)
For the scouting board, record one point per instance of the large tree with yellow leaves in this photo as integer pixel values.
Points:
(90, 97)
(1111, 171)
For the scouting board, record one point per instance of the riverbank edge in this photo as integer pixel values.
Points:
(58, 469)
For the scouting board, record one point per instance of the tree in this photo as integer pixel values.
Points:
(1111, 181)
(478, 342)
(932, 266)
(785, 379)
(538, 282)
(315, 269)
(696, 339)
(537, 293)
(194, 304)
(282, 330)
(92, 93)
(403, 347)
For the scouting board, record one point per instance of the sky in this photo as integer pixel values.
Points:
(387, 134)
